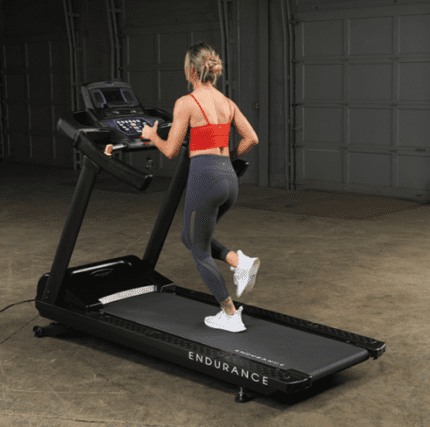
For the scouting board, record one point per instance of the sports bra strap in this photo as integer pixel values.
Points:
(203, 111)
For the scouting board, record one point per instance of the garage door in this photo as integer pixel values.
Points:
(363, 98)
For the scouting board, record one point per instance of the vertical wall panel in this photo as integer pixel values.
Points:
(378, 129)
(414, 128)
(36, 75)
(31, 18)
(98, 50)
(16, 88)
(415, 33)
(15, 57)
(364, 97)
(39, 107)
(17, 114)
(15, 98)
(249, 102)
(38, 57)
(278, 94)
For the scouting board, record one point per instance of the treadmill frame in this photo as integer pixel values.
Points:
(51, 291)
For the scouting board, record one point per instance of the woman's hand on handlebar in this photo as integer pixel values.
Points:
(148, 132)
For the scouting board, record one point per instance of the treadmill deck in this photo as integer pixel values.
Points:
(265, 342)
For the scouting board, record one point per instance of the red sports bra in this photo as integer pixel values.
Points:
(209, 136)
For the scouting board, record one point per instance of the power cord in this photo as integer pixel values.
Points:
(12, 305)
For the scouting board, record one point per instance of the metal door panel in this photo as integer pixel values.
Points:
(323, 125)
(371, 35)
(370, 82)
(61, 89)
(370, 128)
(370, 168)
(38, 57)
(414, 82)
(315, 45)
(413, 171)
(60, 57)
(171, 86)
(41, 120)
(63, 151)
(18, 117)
(414, 128)
(323, 165)
(15, 87)
(141, 51)
(363, 96)
(39, 88)
(414, 30)
(322, 82)
(19, 147)
(15, 57)
(144, 84)
(41, 148)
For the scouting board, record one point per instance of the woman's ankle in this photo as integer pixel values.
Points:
(228, 307)
(232, 259)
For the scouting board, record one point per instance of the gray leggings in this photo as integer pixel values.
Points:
(212, 190)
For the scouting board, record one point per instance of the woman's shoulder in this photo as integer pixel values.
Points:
(216, 93)
(191, 103)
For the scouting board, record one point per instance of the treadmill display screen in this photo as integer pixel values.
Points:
(113, 97)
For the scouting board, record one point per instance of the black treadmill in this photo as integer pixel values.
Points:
(125, 300)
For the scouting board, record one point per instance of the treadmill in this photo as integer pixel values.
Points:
(126, 301)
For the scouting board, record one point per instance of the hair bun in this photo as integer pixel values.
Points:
(214, 65)
(217, 69)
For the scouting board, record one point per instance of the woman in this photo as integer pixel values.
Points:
(212, 183)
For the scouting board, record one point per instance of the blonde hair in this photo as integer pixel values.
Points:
(206, 61)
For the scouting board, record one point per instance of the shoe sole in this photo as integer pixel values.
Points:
(223, 329)
(252, 278)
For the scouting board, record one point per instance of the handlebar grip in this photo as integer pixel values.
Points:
(82, 141)
(115, 167)
(131, 146)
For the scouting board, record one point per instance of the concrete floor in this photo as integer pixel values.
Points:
(348, 261)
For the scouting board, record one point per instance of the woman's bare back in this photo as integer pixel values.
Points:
(218, 109)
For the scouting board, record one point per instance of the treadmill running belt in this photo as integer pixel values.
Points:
(282, 347)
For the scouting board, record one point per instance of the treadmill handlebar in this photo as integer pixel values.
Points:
(82, 141)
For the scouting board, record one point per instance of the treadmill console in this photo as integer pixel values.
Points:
(114, 105)
(129, 126)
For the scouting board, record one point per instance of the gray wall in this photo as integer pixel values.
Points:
(357, 115)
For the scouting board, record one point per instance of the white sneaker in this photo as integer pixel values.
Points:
(245, 273)
(231, 323)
